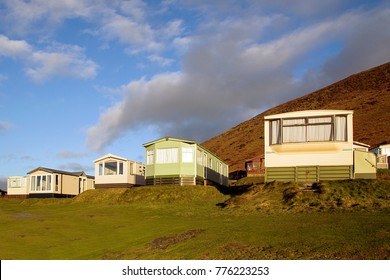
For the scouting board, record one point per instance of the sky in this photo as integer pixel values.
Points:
(83, 78)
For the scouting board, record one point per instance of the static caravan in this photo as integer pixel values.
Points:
(18, 186)
(255, 166)
(117, 172)
(47, 182)
(383, 156)
(183, 162)
(309, 146)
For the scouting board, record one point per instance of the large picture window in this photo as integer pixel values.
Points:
(41, 183)
(309, 129)
(111, 168)
(168, 155)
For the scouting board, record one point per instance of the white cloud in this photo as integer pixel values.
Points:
(129, 32)
(57, 60)
(135, 9)
(124, 21)
(70, 62)
(173, 28)
(231, 71)
(13, 48)
(21, 17)
(161, 61)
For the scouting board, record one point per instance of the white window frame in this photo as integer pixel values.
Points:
(34, 183)
(119, 168)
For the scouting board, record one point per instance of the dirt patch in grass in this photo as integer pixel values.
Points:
(156, 246)
(23, 215)
(166, 241)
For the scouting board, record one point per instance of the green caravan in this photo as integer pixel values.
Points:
(176, 161)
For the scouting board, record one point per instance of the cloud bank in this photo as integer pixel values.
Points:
(236, 67)
(224, 61)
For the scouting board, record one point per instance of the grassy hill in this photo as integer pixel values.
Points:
(367, 93)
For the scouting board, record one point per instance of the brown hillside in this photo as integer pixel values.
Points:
(367, 93)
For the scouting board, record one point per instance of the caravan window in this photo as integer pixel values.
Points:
(308, 129)
(40, 183)
(110, 168)
(17, 182)
(275, 132)
(120, 168)
(340, 128)
(187, 154)
(150, 157)
(168, 155)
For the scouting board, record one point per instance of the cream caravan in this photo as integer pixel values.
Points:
(312, 146)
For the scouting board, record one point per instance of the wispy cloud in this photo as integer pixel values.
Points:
(16, 157)
(74, 166)
(160, 60)
(57, 60)
(69, 62)
(122, 21)
(70, 154)
(22, 17)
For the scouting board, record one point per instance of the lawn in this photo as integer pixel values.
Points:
(186, 223)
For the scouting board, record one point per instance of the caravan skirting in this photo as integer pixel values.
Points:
(308, 173)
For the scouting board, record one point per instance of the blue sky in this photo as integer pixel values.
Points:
(82, 78)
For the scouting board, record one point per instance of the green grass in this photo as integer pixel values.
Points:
(191, 223)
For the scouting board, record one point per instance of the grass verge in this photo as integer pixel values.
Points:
(188, 223)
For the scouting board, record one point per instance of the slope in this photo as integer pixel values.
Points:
(367, 93)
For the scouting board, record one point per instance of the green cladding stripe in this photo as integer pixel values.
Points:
(308, 173)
